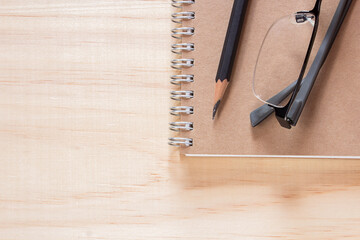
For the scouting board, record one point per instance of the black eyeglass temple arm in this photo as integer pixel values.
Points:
(261, 113)
(299, 103)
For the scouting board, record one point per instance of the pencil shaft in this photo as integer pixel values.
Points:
(231, 40)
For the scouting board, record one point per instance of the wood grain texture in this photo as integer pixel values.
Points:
(84, 98)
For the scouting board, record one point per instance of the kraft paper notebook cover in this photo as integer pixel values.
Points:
(330, 123)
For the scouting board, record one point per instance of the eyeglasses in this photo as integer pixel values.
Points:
(282, 55)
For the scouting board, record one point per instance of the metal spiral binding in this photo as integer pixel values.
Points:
(179, 64)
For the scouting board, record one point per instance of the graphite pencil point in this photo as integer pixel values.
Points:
(216, 106)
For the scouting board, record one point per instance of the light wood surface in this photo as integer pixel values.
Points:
(84, 98)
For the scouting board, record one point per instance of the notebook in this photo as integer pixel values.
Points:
(329, 126)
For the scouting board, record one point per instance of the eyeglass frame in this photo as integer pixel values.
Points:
(300, 89)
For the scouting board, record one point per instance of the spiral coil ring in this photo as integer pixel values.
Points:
(179, 32)
(179, 79)
(178, 48)
(182, 63)
(179, 3)
(181, 126)
(180, 16)
(179, 142)
(178, 95)
(179, 64)
(179, 110)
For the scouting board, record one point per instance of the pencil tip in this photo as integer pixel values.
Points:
(216, 106)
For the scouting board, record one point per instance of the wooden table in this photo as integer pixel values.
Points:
(84, 98)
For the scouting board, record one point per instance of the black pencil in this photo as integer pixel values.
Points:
(229, 51)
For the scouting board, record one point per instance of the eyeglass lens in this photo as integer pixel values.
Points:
(282, 55)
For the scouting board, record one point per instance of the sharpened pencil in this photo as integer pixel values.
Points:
(229, 51)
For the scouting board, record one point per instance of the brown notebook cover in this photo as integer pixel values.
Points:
(330, 123)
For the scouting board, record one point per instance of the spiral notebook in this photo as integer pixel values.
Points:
(329, 126)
